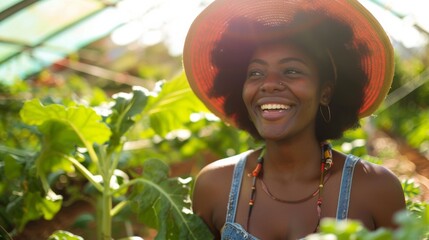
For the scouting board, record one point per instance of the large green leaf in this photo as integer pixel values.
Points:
(127, 105)
(414, 225)
(173, 105)
(59, 140)
(83, 120)
(21, 191)
(32, 206)
(163, 203)
(63, 128)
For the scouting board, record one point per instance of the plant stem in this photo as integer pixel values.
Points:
(82, 169)
(106, 196)
(118, 207)
(106, 208)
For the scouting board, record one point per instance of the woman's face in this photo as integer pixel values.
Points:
(282, 92)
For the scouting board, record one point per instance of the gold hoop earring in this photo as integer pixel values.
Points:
(326, 119)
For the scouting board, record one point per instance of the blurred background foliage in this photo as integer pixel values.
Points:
(180, 131)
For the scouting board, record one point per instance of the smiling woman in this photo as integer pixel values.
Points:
(293, 74)
(280, 91)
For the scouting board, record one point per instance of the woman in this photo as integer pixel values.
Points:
(294, 74)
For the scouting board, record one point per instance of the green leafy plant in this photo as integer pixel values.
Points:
(78, 138)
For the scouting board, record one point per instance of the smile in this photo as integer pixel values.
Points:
(274, 107)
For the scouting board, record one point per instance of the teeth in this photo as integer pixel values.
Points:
(273, 106)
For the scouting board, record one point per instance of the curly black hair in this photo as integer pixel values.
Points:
(320, 36)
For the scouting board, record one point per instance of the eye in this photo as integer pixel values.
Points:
(291, 71)
(254, 74)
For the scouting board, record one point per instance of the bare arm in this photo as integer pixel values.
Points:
(390, 200)
(210, 196)
(382, 192)
(202, 199)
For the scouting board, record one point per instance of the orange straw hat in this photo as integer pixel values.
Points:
(208, 27)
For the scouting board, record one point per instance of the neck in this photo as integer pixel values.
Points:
(325, 164)
(292, 160)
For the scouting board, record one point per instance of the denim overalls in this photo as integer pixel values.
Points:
(234, 231)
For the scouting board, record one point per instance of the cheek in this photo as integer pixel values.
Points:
(303, 91)
(307, 90)
(247, 93)
(309, 96)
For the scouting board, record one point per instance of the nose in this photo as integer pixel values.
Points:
(272, 83)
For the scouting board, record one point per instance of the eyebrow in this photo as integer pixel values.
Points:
(283, 60)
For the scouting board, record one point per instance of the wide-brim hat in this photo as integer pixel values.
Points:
(211, 23)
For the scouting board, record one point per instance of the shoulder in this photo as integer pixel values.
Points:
(373, 175)
(379, 190)
(217, 175)
(211, 190)
(219, 169)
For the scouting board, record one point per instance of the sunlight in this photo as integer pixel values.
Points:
(399, 21)
(153, 21)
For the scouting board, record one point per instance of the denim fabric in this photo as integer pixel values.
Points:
(234, 231)
(346, 187)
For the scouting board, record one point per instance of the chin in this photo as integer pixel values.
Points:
(272, 135)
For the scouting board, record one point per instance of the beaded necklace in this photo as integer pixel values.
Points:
(325, 165)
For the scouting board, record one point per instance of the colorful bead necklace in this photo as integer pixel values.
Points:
(326, 164)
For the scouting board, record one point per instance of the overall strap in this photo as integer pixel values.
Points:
(346, 186)
(235, 188)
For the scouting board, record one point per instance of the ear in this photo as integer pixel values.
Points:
(326, 94)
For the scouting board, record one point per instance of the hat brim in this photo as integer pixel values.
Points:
(208, 27)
